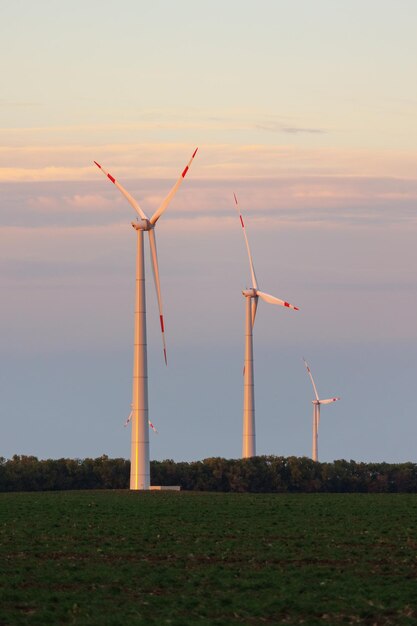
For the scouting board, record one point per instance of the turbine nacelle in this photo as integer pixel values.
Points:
(327, 401)
(250, 293)
(143, 225)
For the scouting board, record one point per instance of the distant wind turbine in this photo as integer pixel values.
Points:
(316, 413)
(251, 295)
(127, 422)
(140, 468)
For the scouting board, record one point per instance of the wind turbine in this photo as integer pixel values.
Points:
(251, 295)
(139, 458)
(316, 413)
(127, 422)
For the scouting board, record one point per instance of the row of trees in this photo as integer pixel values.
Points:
(263, 474)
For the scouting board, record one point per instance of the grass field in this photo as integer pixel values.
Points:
(116, 557)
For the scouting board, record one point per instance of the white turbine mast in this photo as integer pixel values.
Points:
(140, 468)
(251, 295)
(316, 413)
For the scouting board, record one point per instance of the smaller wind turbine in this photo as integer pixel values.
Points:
(129, 419)
(251, 295)
(316, 413)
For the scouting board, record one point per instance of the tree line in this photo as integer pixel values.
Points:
(261, 474)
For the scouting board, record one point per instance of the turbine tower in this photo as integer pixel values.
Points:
(251, 295)
(316, 413)
(139, 458)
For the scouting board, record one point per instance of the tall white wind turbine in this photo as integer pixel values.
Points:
(316, 413)
(251, 295)
(140, 468)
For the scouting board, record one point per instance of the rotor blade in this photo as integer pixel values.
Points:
(152, 426)
(155, 217)
(126, 194)
(311, 377)
(254, 307)
(329, 400)
(252, 269)
(128, 419)
(272, 300)
(154, 257)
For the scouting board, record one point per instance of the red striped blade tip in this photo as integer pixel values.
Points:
(98, 164)
(194, 153)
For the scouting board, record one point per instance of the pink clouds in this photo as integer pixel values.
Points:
(47, 173)
(43, 203)
(78, 202)
(336, 201)
(93, 202)
(65, 161)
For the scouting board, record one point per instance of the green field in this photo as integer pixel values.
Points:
(116, 557)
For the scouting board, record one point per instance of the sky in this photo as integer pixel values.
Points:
(308, 112)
